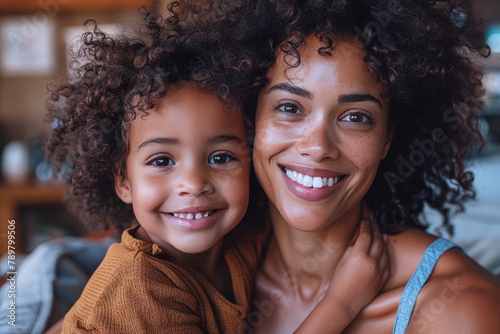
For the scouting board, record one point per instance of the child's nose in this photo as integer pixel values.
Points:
(194, 182)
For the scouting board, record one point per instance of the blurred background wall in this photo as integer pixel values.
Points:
(34, 37)
(33, 51)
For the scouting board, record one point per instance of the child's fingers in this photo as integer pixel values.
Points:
(385, 266)
(378, 244)
(364, 240)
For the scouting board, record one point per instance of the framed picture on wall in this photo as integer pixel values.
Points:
(27, 46)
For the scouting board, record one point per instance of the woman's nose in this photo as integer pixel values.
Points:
(194, 181)
(318, 142)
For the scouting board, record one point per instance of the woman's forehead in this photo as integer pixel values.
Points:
(343, 64)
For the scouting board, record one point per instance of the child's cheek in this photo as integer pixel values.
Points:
(149, 191)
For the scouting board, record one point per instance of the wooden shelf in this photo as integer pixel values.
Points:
(12, 197)
(52, 7)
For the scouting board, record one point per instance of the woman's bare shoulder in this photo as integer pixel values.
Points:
(460, 295)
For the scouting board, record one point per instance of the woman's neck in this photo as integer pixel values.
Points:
(311, 257)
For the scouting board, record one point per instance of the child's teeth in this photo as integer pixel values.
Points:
(193, 215)
(309, 181)
(317, 182)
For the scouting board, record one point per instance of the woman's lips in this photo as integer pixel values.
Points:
(311, 184)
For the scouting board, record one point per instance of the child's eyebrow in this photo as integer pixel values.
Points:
(225, 139)
(158, 140)
(173, 141)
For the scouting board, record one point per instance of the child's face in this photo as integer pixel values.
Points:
(187, 171)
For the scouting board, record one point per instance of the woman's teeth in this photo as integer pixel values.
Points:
(192, 215)
(312, 182)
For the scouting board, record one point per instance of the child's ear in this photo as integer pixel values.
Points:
(122, 187)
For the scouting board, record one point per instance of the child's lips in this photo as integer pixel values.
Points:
(193, 215)
(194, 219)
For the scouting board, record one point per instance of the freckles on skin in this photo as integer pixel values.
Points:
(315, 132)
(367, 154)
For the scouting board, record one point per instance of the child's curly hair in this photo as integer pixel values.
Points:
(423, 50)
(122, 78)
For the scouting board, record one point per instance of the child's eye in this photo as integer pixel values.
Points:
(221, 158)
(357, 117)
(161, 161)
(288, 108)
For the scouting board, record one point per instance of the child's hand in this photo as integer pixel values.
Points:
(359, 276)
(361, 272)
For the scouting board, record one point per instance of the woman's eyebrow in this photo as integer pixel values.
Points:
(288, 87)
(346, 98)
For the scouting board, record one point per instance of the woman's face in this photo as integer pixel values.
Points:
(321, 131)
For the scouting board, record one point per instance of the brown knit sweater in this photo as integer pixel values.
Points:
(137, 290)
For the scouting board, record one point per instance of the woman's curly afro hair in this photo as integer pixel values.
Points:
(423, 51)
(121, 78)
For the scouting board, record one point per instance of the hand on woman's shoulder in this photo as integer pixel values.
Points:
(459, 297)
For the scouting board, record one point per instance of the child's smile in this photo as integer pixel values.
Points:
(187, 171)
(195, 218)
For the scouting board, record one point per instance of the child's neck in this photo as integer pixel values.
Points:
(210, 264)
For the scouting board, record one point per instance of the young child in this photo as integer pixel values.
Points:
(151, 138)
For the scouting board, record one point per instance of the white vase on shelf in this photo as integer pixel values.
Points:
(15, 163)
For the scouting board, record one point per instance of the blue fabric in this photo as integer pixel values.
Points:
(417, 281)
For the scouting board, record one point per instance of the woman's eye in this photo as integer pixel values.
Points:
(162, 162)
(357, 117)
(288, 108)
(220, 159)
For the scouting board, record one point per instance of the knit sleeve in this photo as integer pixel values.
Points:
(137, 299)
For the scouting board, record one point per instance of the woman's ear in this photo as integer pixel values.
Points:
(122, 186)
(390, 136)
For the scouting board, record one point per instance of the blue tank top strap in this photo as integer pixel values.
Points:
(417, 281)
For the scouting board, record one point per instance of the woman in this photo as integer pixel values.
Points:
(370, 109)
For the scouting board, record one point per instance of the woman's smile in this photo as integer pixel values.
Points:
(321, 132)
(312, 184)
